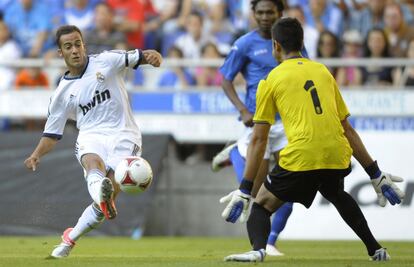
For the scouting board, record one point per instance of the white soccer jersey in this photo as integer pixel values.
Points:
(97, 99)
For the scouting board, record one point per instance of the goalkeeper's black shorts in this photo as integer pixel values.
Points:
(302, 186)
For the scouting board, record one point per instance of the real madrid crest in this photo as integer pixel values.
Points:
(100, 77)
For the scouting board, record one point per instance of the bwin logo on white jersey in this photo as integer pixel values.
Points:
(98, 98)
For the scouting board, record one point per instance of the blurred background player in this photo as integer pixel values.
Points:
(251, 55)
(93, 93)
(318, 155)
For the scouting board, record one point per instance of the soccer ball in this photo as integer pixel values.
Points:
(133, 175)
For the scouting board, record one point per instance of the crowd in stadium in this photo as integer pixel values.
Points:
(206, 29)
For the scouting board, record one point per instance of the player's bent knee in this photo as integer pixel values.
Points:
(92, 161)
(266, 199)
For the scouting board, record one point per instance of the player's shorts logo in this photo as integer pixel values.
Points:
(100, 77)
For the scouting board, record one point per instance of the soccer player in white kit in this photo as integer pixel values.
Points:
(93, 93)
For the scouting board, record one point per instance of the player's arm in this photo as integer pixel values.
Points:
(256, 151)
(238, 200)
(360, 153)
(45, 145)
(121, 59)
(151, 57)
(382, 182)
(235, 61)
(231, 93)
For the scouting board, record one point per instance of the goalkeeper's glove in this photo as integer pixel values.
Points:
(237, 207)
(238, 203)
(384, 185)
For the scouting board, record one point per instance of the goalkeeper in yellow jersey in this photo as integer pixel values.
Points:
(318, 154)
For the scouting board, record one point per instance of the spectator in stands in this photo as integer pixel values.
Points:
(80, 13)
(104, 36)
(213, 12)
(209, 76)
(33, 77)
(57, 10)
(324, 15)
(215, 22)
(376, 46)
(352, 48)
(30, 23)
(369, 17)
(405, 75)
(310, 34)
(328, 47)
(160, 22)
(129, 19)
(177, 77)
(398, 32)
(9, 51)
(193, 39)
(239, 15)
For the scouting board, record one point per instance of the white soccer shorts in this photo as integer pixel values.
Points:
(277, 140)
(111, 149)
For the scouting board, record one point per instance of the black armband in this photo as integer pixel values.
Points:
(373, 170)
(246, 186)
(141, 56)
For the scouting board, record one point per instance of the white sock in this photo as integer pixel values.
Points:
(94, 186)
(90, 219)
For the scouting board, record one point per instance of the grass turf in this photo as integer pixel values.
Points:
(161, 251)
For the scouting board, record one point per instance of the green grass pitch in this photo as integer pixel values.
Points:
(161, 251)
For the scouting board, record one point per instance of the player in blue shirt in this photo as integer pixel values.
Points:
(251, 55)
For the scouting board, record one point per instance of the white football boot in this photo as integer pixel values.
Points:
(64, 248)
(106, 201)
(222, 159)
(273, 251)
(381, 255)
(251, 256)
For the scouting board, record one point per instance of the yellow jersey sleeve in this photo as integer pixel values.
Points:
(265, 104)
(343, 111)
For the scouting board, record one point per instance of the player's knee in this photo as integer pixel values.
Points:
(92, 161)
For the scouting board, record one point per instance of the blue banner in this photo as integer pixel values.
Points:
(182, 102)
(216, 102)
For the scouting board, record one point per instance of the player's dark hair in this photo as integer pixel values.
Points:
(288, 33)
(66, 29)
(278, 3)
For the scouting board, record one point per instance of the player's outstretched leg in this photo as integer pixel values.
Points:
(90, 219)
(222, 159)
(278, 224)
(101, 190)
(353, 216)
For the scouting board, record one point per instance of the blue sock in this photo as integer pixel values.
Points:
(238, 163)
(279, 222)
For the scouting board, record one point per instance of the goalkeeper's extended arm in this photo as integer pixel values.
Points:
(238, 200)
(382, 182)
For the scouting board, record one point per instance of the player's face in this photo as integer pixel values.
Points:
(266, 14)
(73, 50)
